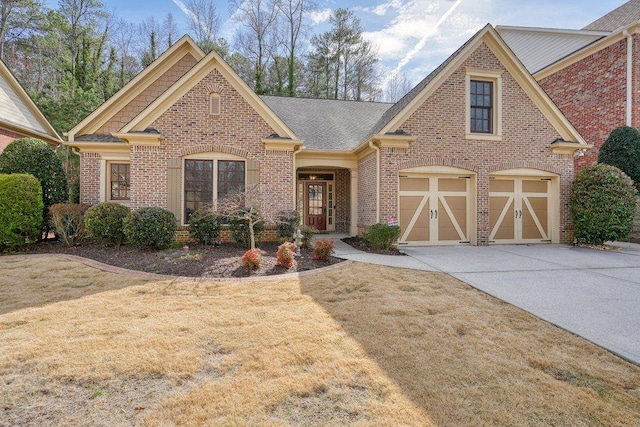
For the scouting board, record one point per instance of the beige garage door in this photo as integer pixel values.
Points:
(519, 209)
(434, 210)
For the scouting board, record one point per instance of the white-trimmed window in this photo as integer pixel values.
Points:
(118, 181)
(209, 179)
(483, 104)
(214, 104)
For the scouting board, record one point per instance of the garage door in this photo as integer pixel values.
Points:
(434, 210)
(519, 209)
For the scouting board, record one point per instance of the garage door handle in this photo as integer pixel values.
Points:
(436, 214)
(431, 211)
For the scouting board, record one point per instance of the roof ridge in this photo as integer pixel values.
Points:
(325, 99)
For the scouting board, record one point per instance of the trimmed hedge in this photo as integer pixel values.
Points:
(603, 204)
(150, 228)
(32, 156)
(68, 223)
(20, 210)
(381, 236)
(622, 150)
(205, 226)
(105, 221)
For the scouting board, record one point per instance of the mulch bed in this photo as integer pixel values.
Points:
(358, 243)
(219, 261)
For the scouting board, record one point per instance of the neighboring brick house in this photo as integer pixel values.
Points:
(476, 153)
(19, 116)
(593, 74)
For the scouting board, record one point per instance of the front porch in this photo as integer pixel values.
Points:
(324, 199)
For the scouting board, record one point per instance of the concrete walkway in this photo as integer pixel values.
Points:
(592, 293)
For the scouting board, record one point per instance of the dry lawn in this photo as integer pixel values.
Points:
(358, 345)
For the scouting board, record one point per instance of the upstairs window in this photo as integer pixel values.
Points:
(481, 113)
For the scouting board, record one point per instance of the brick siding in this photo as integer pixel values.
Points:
(592, 93)
(439, 125)
(367, 178)
(7, 137)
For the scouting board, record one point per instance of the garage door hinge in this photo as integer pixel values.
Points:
(545, 179)
(468, 241)
(464, 177)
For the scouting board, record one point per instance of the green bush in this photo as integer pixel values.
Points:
(603, 204)
(68, 223)
(622, 150)
(32, 156)
(205, 225)
(239, 226)
(288, 222)
(105, 221)
(381, 236)
(150, 228)
(307, 235)
(20, 210)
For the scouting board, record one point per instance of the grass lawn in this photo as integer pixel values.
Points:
(357, 345)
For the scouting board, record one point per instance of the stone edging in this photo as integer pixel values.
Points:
(142, 274)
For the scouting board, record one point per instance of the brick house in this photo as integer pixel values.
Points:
(475, 154)
(592, 74)
(19, 116)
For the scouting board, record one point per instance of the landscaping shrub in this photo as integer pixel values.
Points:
(603, 204)
(68, 223)
(32, 156)
(205, 225)
(20, 210)
(622, 150)
(288, 222)
(381, 236)
(252, 259)
(105, 221)
(151, 228)
(239, 226)
(286, 255)
(323, 250)
(307, 235)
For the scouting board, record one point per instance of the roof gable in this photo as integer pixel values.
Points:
(399, 113)
(145, 79)
(19, 113)
(212, 61)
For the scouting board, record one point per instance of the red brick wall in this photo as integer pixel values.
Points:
(367, 178)
(7, 137)
(89, 178)
(592, 93)
(439, 125)
(188, 128)
(149, 95)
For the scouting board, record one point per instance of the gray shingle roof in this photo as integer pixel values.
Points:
(625, 15)
(328, 124)
(406, 100)
(98, 138)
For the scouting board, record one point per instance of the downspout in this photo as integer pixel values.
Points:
(295, 176)
(375, 147)
(629, 114)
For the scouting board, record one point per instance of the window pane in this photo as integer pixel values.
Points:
(198, 185)
(230, 177)
(119, 183)
(481, 100)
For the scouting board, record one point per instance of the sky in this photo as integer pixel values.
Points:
(412, 36)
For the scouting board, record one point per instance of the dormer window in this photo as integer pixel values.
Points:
(214, 104)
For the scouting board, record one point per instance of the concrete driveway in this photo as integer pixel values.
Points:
(594, 294)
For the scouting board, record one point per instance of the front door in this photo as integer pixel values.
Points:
(316, 212)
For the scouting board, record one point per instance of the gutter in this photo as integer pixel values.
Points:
(377, 149)
(629, 113)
